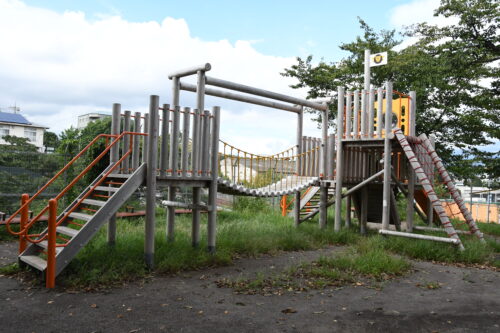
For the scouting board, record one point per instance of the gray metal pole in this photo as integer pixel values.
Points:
(241, 98)
(152, 163)
(380, 107)
(200, 105)
(348, 115)
(164, 140)
(298, 167)
(367, 70)
(371, 112)
(410, 211)
(212, 194)
(189, 71)
(364, 111)
(113, 158)
(340, 160)
(387, 158)
(356, 115)
(145, 149)
(430, 209)
(175, 91)
(185, 142)
(126, 142)
(174, 165)
(136, 153)
(323, 171)
(263, 93)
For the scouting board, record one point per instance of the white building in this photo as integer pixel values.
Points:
(14, 124)
(85, 119)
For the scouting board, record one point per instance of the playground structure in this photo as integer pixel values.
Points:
(372, 154)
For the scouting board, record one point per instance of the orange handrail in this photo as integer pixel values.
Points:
(70, 163)
(24, 230)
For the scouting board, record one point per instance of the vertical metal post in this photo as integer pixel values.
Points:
(323, 170)
(340, 160)
(380, 107)
(205, 158)
(299, 166)
(151, 182)
(175, 91)
(145, 142)
(50, 274)
(200, 105)
(137, 141)
(212, 193)
(348, 115)
(371, 112)
(25, 211)
(364, 111)
(126, 142)
(174, 155)
(185, 142)
(367, 76)
(364, 210)
(348, 212)
(164, 140)
(410, 210)
(387, 158)
(430, 208)
(113, 157)
(356, 114)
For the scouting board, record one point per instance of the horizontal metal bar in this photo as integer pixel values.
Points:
(190, 71)
(241, 98)
(184, 205)
(453, 241)
(263, 93)
(417, 227)
(363, 183)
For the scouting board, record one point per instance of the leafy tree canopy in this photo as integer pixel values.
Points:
(453, 69)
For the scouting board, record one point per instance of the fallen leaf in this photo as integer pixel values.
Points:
(318, 312)
(289, 310)
(93, 306)
(50, 302)
(240, 303)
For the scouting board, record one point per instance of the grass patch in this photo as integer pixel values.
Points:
(362, 264)
(490, 228)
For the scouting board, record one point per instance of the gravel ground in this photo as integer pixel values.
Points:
(467, 301)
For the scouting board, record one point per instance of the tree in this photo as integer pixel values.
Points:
(451, 68)
(50, 139)
(15, 143)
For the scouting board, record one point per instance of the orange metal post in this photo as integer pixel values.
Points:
(24, 221)
(50, 278)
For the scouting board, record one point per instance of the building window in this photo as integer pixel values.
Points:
(4, 130)
(30, 134)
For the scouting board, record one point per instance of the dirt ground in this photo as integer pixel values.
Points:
(467, 301)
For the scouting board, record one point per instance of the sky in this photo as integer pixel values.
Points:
(61, 59)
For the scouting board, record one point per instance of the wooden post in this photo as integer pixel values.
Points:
(113, 158)
(298, 166)
(364, 111)
(212, 193)
(387, 158)
(411, 174)
(152, 163)
(348, 211)
(364, 210)
(164, 140)
(25, 211)
(340, 160)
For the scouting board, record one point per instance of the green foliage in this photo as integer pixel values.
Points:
(15, 143)
(451, 68)
(243, 204)
(50, 139)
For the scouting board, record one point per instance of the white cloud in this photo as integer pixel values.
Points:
(57, 66)
(417, 11)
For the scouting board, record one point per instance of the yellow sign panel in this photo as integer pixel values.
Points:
(400, 114)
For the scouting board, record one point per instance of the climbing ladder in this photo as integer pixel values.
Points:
(428, 186)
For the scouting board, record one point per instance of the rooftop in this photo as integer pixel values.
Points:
(14, 118)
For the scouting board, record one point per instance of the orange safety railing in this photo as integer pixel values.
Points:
(26, 224)
(284, 205)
